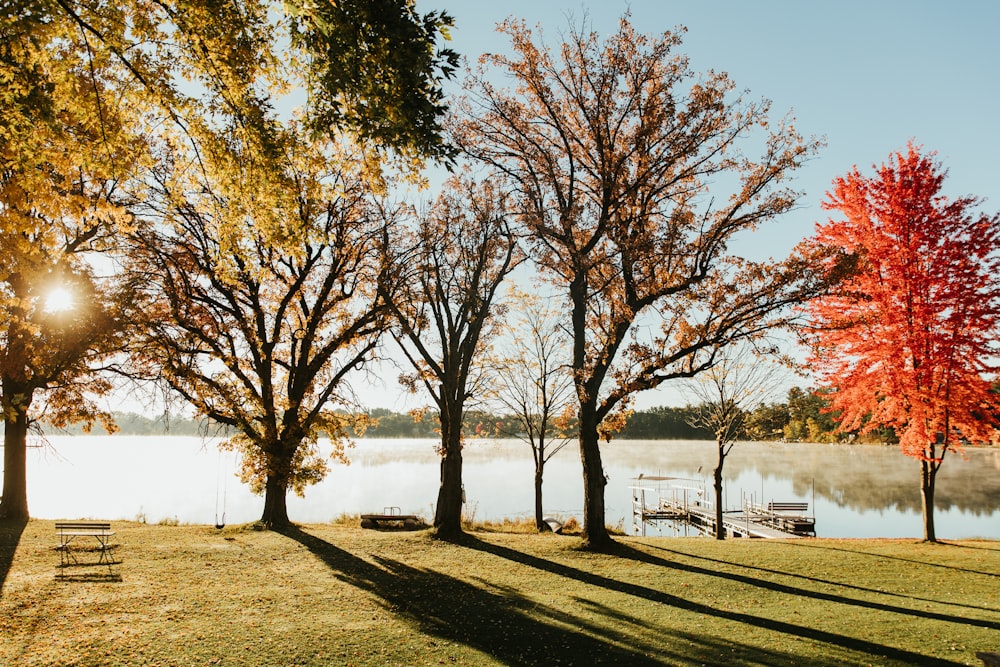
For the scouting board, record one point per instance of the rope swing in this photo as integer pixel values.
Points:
(220, 523)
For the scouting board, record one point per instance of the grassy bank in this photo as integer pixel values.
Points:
(330, 595)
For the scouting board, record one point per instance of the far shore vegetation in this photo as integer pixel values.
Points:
(802, 417)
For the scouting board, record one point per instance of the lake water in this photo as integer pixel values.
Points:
(853, 491)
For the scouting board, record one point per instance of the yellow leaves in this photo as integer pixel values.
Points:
(55, 207)
(613, 423)
(418, 414)
(273, 263)
(68, 403)
(68, 144)
(565, 420)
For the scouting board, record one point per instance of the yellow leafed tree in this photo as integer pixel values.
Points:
(65, 153)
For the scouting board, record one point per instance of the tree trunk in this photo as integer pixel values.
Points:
(539, 524)
(595, 532)
(720, 530)
(928, 473)
(448, 513)
(275, 514)
(14, 504)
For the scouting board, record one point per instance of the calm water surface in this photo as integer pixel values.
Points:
(855, 491)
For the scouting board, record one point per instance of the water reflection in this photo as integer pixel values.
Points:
(857, 491)
(859, 477)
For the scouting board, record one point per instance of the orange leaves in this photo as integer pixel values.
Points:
(908, 338)
(613, 423)
(613, 146)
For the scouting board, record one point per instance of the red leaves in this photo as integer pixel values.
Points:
(909, 339)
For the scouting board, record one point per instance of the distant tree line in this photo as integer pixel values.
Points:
(804, 416)
(131, 423)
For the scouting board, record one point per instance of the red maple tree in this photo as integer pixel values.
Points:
(910, 339)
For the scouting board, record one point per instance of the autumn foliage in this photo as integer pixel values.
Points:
(158, 123)
(909, 341)
(256, 335)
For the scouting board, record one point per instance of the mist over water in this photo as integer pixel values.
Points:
(854, 491)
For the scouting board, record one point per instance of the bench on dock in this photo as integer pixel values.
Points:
(73, 534)
(788, 516)
(787, 507)
(391, 518)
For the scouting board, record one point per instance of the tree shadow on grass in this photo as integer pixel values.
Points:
(813, 545)
(971, 546)
(642, 556)
(828, 582)
(849, 643)
(10, 537)
(516, 630)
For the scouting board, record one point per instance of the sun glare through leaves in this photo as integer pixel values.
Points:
(58, 300)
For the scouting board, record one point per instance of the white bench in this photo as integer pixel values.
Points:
(785, 506)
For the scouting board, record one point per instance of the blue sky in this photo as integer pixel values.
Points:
(868, 76)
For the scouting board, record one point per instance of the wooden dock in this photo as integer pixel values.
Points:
(687, 504)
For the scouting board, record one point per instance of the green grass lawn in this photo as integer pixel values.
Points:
(332, 595)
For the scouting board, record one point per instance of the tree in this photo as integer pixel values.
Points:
(452, 263)
(767, 421)
(809, 416)
(214, 70)
(741, 379)
(533, 383)
(372, 68)
(257, 334)
(618, 155)
(910, 340)
(63, 159)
